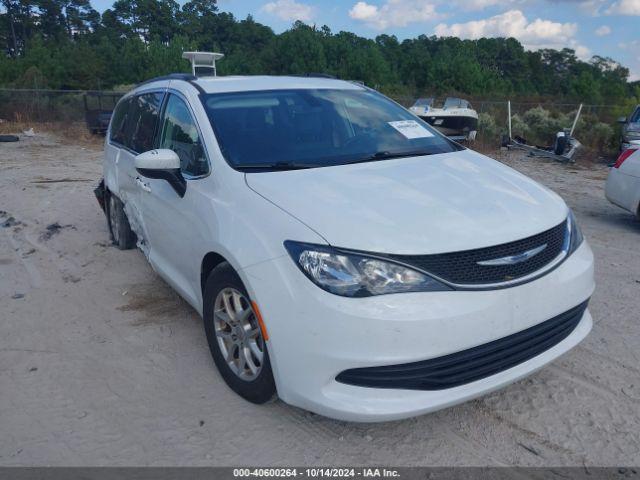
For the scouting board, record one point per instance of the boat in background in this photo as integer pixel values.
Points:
(456, 118)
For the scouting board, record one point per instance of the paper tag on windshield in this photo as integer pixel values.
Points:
(411, 129)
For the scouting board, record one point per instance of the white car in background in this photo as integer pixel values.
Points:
(623, 182)
(342, 253)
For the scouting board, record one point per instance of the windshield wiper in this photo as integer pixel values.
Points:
(382, 155)
(276, 166)
(386, 155)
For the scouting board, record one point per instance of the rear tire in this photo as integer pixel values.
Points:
(235, 339)
(121, 234)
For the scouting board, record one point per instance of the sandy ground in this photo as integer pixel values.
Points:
(102, 364)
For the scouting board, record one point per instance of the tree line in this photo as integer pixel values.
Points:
(67, 44)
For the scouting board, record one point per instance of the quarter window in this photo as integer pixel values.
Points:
(119, 121)
(180, 134)
(144, 119)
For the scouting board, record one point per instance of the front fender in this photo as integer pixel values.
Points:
(241, 226)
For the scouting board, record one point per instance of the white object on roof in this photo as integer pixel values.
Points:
(203, 60)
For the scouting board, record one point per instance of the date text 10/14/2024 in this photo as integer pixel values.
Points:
(319, 472)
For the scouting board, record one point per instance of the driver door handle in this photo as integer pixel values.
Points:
(142, 185)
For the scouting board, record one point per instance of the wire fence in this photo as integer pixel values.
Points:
(535, 121)
(40, 106)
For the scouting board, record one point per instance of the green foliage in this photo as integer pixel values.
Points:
(73, 47)
(488, 126)
(599, 135)
(489, 131)
(520, 127)
(299, 50)
(541, 124)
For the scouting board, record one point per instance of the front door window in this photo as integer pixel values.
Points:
(180, 134)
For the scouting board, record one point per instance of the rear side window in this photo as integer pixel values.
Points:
(180, 134)
(143, 121)
(635, 118)
(119, 121)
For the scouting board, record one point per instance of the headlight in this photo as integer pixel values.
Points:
(574, 234)
(354, 275)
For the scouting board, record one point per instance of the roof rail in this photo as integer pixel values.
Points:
(187, 77)
(313, 75)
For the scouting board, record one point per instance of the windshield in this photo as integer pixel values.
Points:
(316, 128)
(423, 102)
(451, 102)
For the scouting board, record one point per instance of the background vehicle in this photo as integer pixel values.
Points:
(630, 130)
(623, 182)
(313, 224)
(98, 107)
(456, 118)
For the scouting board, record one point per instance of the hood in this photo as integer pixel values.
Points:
(419, 205)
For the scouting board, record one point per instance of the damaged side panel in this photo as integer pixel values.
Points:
(135, 221)
(132, 213)
(119, 179)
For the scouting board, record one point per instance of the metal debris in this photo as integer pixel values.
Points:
(564, 148)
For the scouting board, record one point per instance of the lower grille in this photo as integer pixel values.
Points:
(472, 364)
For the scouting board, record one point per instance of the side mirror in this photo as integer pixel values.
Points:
(163, 164)
(622, 119)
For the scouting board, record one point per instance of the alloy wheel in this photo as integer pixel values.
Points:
(238, 334)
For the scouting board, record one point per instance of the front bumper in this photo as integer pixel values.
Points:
(315, 335)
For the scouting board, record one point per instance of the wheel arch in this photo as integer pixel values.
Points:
(210, 261)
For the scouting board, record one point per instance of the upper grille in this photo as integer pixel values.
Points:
(462, 267)
(472, 364)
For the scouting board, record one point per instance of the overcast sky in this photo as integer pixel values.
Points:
(591, 27)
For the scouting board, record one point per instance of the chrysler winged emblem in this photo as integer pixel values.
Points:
(513, 259)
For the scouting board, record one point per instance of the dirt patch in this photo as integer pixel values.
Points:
(53, 229)
(124, 375)
(154, 304)
(62, 180)
(10, 222)
(68, 278)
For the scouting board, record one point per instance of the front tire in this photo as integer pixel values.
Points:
(235, 337)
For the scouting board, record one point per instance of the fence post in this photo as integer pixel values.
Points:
(575, 121)
(509, 117)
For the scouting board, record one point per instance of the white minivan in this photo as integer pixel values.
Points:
(343, 254)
